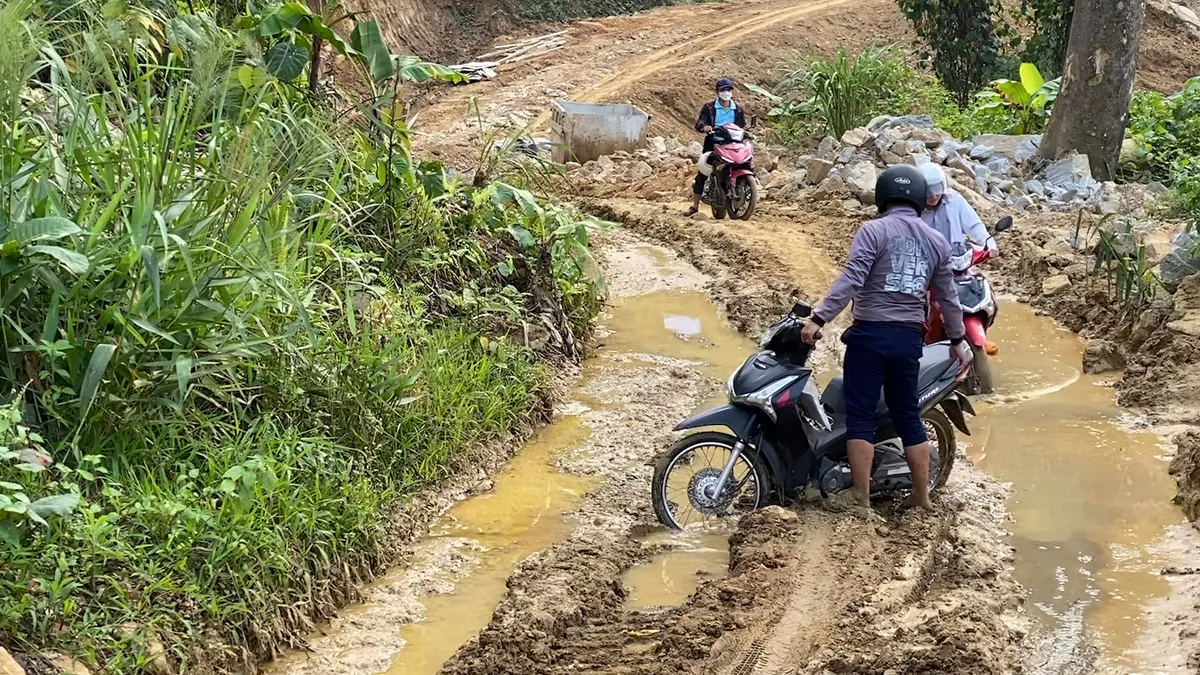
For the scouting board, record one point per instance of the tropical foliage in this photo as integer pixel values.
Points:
(240, 321)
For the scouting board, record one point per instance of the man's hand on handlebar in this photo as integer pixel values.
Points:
(708, 129)
(811, 333)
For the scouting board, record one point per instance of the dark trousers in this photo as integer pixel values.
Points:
(887, 356)
(698, 184)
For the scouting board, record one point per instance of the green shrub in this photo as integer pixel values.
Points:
(1018, 106)
(241, 330)
(877, 81)
(847, 91)
(1166, 131)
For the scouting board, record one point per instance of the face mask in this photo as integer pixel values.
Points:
(725, 96)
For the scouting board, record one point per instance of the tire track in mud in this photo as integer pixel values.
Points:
(697, 47)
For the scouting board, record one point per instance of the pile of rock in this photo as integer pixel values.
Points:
(988, 170)
(664, 168)
(630, 167)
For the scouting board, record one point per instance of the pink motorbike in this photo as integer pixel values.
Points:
(731, 187)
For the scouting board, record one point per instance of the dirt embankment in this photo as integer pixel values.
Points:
(1156, 344)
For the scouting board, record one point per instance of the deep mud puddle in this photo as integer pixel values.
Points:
(535, 501)
(1090, 499)
(669, 578)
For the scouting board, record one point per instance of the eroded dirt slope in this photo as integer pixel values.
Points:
(666, 59)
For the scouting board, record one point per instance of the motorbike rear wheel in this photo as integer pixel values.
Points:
(696, 461)
(743, 200)
(941, 441)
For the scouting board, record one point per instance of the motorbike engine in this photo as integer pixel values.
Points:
(833, 478)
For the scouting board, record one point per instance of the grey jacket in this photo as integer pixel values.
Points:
(894, 261)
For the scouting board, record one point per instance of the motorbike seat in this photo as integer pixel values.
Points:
(935, 361)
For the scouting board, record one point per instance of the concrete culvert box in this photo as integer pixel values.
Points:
(582, 132)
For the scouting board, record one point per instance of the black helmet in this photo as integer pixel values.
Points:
(900, 183)
(724, 83)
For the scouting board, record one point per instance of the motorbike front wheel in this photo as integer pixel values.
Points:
(980, 381)
(744, 198)
(685, 475)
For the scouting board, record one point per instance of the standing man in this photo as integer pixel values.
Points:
(893, 261)
(714, 115)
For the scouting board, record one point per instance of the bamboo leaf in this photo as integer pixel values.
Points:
(95, 373)
(150, 261)
(73, 261)
(42, 229)
(183, 373)
(50, 326)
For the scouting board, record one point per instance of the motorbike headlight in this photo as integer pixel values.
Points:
(761, 399)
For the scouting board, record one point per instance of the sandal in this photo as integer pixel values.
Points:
(691, 212)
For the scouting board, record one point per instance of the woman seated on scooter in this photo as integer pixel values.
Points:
(949, 213)
(714, 115)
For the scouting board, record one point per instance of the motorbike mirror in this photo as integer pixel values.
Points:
(1003, 224)
(802, 310)
(753, 121)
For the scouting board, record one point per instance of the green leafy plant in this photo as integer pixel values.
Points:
(1044, 29)
(1026, 102)
(27, 498)
(837, 94)
(1165, 131)
(1122, 261)
(293, 36)
(243, 328)
(962, 40)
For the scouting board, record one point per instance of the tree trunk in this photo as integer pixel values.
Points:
(1097, 84)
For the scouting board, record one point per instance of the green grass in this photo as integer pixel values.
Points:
(828, 96)
(239, 326)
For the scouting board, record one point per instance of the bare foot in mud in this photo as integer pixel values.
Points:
(851, 502)
(922, 502)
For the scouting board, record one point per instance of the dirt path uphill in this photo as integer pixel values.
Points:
(664, 60)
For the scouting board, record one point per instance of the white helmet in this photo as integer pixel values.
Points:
(703, 166)
(935, 179)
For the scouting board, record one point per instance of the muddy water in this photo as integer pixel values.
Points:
(522, 514)
(1090, 499)
(670, 577)
(460, 569)
(645, 325)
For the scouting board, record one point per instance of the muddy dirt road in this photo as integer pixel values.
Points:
(603, 589)
(556, 564)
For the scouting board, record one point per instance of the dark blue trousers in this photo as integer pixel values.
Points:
(883, 356)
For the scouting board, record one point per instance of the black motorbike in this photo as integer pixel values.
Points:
(788, 436)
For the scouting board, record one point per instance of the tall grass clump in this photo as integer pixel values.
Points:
(239, 325)
(829, 96)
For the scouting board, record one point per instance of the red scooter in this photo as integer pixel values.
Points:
(979, 311)
(731, 187)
